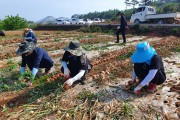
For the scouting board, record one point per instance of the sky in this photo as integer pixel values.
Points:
(34, 10)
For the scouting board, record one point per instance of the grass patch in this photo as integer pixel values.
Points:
(44, 89)
(86, 95)
(57, 40)
(125, 56)
(176, 49)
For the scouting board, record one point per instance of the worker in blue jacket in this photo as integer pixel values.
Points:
(29, 35)
(123, 27)
(34, 57)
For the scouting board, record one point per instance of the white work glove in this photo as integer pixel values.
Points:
(66, 73)
(70, 81)
(137, 90)
(21, 77)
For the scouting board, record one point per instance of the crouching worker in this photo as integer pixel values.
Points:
(29, 35)
(75, 64)
(34, 57)
(148, 68)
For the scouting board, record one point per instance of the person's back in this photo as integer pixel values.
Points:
(123, 22)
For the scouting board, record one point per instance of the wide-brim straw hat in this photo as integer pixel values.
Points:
(26, 29)
(75, 48)
(143, 53)
(25, 47)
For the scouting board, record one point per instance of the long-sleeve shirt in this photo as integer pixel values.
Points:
(123, 22)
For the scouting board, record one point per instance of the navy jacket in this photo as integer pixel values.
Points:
(123, 23)
(31, 37)
(38, 59)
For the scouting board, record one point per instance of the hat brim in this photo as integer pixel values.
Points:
(20, 52)
(78, 52)
(143, 56)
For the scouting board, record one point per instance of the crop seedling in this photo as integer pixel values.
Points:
(125, 56)
(86, 95)
(127, 109)
(57, 40)
(11, 66)
(5, 108)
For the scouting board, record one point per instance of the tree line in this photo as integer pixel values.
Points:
(162, 6)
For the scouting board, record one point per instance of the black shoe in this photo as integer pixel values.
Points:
(116, 42)
(83, 82)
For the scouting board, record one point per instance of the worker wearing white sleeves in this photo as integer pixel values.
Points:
(75, 64)
(148, 68)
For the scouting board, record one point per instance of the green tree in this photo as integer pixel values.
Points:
(0, 25)
(170, 7)
(13, 23)
(146, 2)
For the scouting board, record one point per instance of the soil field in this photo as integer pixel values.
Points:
(103, 96)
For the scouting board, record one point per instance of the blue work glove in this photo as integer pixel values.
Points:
(22, 70)
(34, 72)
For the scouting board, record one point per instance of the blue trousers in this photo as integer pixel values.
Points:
(123, 32)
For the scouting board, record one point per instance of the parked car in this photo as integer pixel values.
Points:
(88, 21)
(73, 20)
(97, 20)
(62, 22)
(81, 21)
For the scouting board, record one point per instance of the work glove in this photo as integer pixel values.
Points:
(66, 73)
(137, 90)
(22, 70)
(34, 72)
(21, 78)
(29, 83)
(130, 84)
(69, 81)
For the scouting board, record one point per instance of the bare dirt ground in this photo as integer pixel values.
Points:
(103, 97)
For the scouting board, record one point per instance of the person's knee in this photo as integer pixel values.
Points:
(62, 69)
